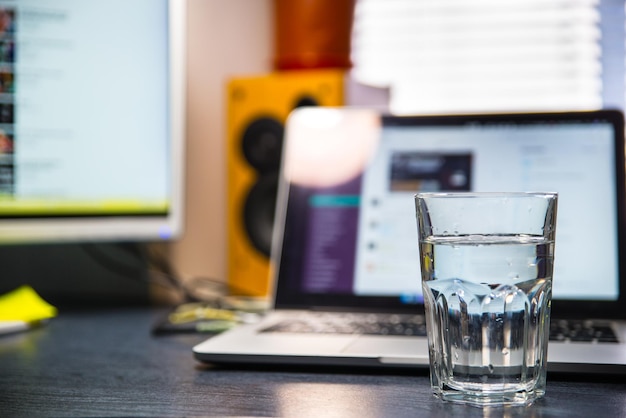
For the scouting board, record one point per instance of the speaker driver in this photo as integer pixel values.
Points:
(306, 101)
(262, 143)
(259, 212)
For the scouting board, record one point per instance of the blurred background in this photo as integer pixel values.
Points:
(424, 56)
(250, 62)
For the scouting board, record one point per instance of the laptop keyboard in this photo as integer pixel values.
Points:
(582, 331)
(414, 325)
(368, 324)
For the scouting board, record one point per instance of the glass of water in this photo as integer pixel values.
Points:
(486, 262)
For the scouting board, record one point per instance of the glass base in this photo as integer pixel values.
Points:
(484, 398)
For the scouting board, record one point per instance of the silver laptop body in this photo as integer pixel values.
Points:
(345, 237)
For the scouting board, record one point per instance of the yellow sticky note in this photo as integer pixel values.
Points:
(24, 304)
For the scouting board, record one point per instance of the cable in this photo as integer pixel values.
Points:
(196, 289)
(137, 272)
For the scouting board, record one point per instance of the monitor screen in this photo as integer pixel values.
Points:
(91, 120)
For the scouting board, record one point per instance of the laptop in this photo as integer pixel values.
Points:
(345, 237)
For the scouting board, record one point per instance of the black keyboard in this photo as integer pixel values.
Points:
(414, 325)
(368, 324)
(581, 331)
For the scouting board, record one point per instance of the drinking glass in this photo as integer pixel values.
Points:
(486, 264)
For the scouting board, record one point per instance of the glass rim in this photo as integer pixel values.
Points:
(453, 195)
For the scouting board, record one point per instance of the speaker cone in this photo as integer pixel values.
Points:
(259, 212)
(262, 144)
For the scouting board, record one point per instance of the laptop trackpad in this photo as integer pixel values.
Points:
(390, 349)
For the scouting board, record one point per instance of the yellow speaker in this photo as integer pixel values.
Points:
(257, 109)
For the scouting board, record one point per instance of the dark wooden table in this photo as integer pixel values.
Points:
(107, 363)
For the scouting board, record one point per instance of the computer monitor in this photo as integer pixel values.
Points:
(91, 120)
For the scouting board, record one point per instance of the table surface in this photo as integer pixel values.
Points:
(107, 363)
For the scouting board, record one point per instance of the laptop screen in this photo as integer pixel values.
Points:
(350, 235)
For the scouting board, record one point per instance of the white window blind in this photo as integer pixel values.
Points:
(445, 56)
